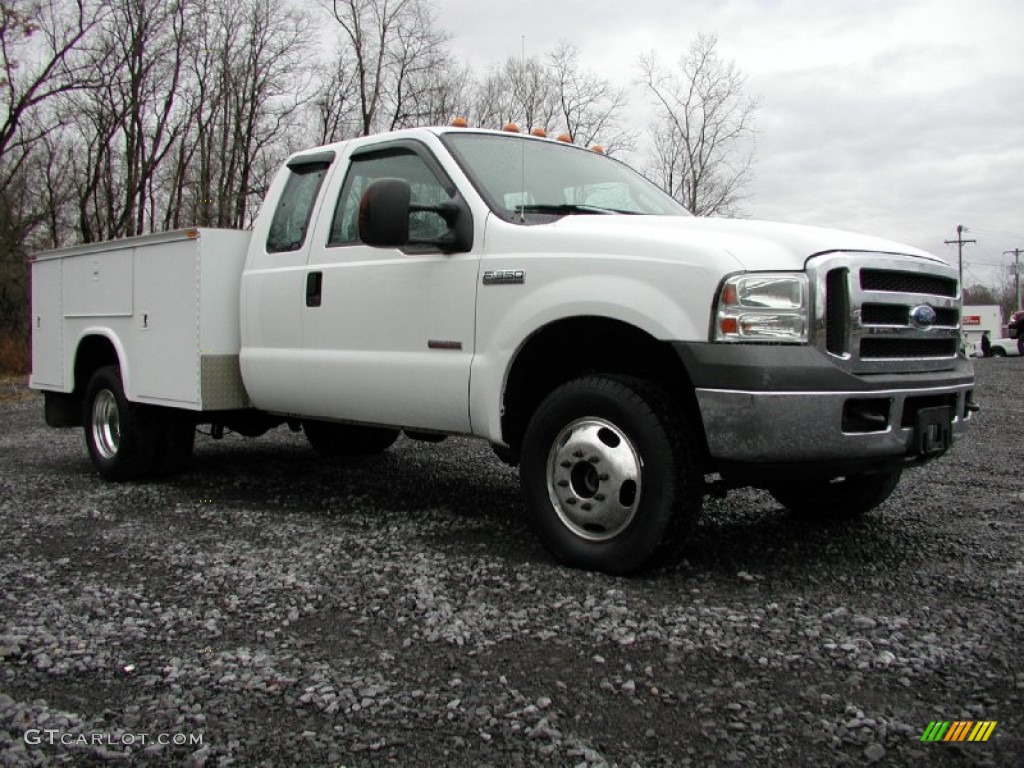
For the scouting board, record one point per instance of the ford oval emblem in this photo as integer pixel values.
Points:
(923, 316)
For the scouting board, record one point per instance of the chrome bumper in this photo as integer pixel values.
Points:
(755, 427)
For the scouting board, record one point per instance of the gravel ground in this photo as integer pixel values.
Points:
(273, 608)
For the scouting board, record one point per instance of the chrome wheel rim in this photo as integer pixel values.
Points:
(106, 424)
(594, 479)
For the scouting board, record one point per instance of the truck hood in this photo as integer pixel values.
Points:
(754, 245)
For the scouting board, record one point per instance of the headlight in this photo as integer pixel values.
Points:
(766, 306)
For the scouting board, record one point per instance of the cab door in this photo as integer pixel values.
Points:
(273, 287)
(388, 333)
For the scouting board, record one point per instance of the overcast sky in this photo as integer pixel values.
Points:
(901, 118)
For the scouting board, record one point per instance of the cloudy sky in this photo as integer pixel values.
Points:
(902, 118)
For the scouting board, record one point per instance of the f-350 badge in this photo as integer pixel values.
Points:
(504, 277)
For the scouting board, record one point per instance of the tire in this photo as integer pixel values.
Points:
(1020, 344)
(833, 500)
(638, 511)
(998, 352)
(329, 439)
(122, 437)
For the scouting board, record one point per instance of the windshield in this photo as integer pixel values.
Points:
(530, 180)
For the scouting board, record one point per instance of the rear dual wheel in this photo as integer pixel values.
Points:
(128, 440)
(610, 474)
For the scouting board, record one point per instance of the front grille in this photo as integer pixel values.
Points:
(903, 349)
(837, 312)
(864, 307)
(899, 315)
(884, 314)
(907, 282)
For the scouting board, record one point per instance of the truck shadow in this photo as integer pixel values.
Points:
(474, 505)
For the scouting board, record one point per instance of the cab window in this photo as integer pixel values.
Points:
(291, 218)
(427, 189)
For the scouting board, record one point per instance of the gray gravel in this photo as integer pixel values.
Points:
(290, 610)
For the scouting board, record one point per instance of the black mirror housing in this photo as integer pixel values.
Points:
(384, 213)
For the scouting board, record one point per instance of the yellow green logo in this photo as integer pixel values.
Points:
(958, 730)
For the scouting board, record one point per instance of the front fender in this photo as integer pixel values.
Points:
(508, 316)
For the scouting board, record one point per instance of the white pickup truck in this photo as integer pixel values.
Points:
(629, 357)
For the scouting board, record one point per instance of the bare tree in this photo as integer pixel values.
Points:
(493, 103)
(1003, 293)
(130, 118)
(335, 107)
(38, 41)
(589, 107)
(39, 44)
(434, 96)
(268, 83)
(191, 95)
(393, 45)
(703, 134)
(520, 91)
(556, 94)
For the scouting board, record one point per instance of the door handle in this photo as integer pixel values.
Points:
(314, 288)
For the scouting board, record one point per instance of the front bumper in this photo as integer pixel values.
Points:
(787, 427)
(764, 405)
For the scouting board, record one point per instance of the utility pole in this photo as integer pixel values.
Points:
(960, 229)
(1016, 276)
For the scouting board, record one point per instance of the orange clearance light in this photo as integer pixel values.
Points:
(729, 325)
(460, 122)
(192, 234)
(597, 148)
(510, 128)
(729, 295)
(539, 132)
(564, 137)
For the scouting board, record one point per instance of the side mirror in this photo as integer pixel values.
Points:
(384, 213)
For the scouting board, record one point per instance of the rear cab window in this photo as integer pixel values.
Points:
(290, 225)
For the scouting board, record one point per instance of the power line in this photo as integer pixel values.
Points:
(960, 242)
(1016, 275)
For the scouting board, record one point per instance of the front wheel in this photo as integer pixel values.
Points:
(122, 438)
(838, 499)
(610, 474)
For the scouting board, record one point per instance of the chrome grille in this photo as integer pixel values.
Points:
(863, 312)
(893, 281)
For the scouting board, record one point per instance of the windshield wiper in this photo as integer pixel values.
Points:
(565, 209)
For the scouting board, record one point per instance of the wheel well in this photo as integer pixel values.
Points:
(93, 353)
(567, 349)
